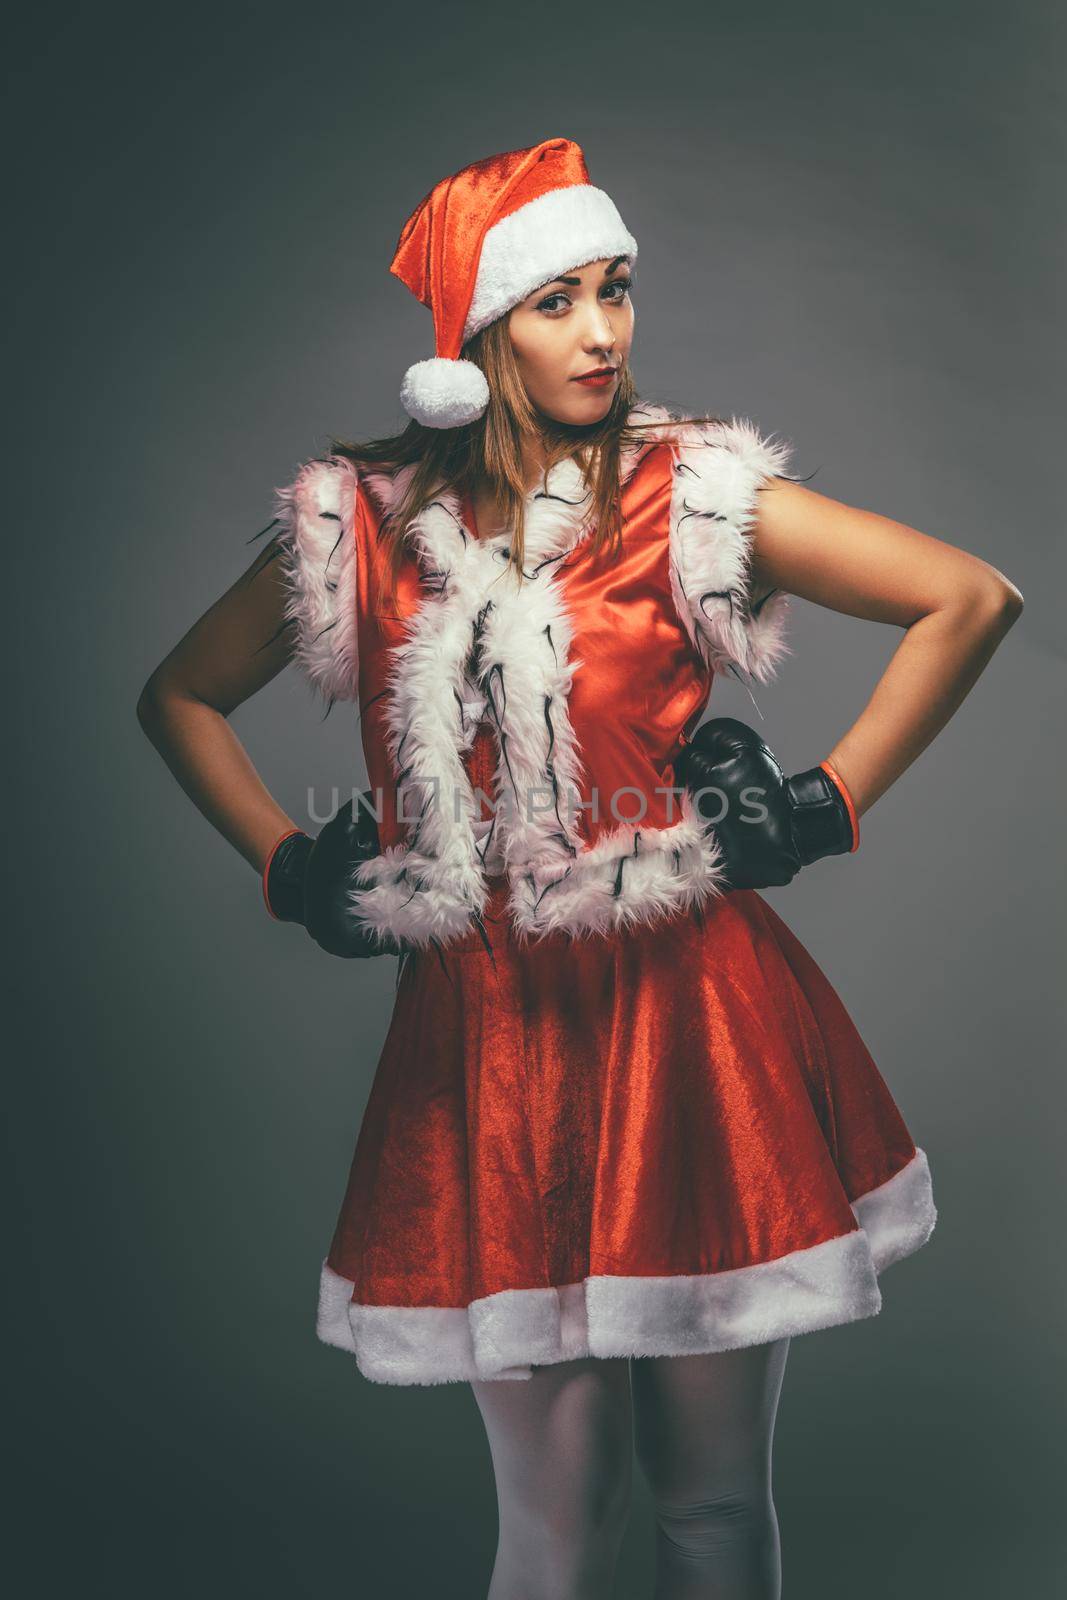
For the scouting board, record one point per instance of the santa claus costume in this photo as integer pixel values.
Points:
(620, 1110)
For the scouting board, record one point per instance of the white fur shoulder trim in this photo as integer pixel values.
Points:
(719, 470)
(317, 516)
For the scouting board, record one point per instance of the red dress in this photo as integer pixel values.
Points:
(652, 1128)
(660, 1143)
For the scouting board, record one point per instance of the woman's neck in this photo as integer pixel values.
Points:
(488, 512)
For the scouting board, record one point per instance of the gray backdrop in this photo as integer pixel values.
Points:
(849, 226)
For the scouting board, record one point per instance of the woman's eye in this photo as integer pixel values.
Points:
(549, 302)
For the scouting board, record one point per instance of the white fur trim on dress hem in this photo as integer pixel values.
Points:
(506, 1334)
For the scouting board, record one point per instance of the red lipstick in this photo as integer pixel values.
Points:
(599, 379)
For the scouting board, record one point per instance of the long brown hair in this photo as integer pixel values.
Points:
(490, 450)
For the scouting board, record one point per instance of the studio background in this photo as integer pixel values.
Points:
(850, 225)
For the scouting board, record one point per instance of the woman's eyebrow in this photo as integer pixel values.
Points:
(608, 270)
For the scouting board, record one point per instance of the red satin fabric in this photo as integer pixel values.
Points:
(684, 1099)
(641, 682)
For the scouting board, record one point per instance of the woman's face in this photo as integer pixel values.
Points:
(574, 325)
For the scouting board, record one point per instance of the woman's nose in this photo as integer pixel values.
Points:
(599, 333)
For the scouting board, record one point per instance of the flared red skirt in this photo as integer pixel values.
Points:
(665, 1142)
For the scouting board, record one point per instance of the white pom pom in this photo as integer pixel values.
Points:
(444, 394)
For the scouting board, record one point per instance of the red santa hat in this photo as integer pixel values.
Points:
(480, 242)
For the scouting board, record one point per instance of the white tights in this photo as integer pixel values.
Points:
(562, 1444)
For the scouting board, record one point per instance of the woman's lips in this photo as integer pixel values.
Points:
(599, 380)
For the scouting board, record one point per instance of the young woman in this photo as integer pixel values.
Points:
(624, 1140)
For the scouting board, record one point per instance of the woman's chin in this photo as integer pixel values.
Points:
(581, 409)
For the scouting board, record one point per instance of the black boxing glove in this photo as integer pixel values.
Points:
(310, 881)
(804, 818)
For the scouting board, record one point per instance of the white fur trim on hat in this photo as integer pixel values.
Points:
(560, 230)
(444, 394)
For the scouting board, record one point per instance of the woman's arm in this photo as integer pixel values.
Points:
(955, 608)
(235, 648)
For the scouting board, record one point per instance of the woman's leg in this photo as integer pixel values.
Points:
(561, 1442)
(703, 1427)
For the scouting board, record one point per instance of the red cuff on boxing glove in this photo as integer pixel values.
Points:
(833, 773)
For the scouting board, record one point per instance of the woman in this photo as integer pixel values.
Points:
(624, 1140)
